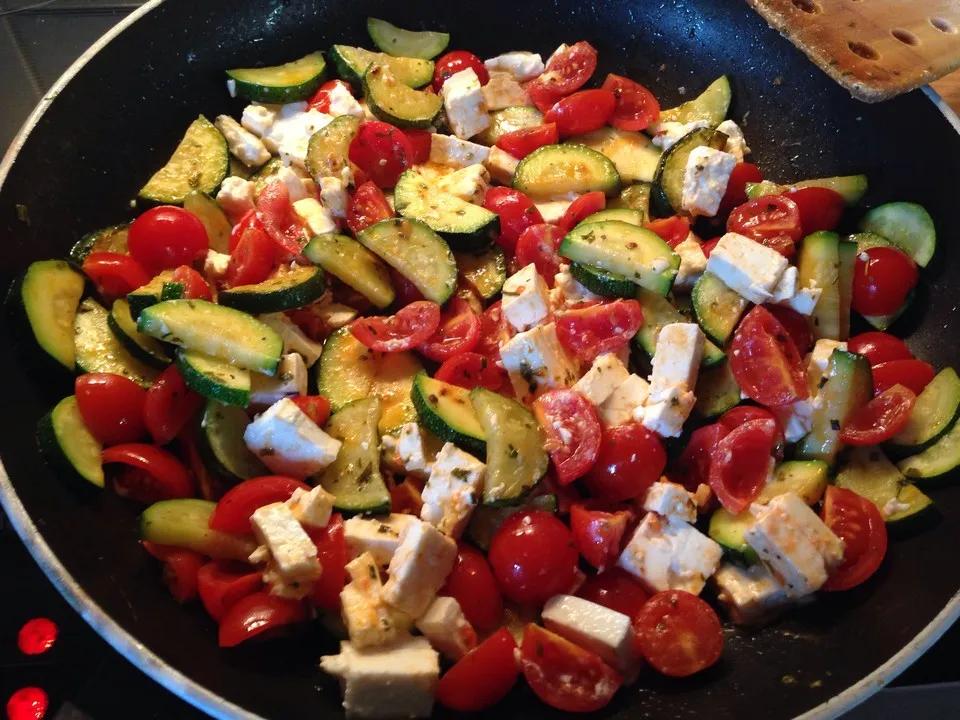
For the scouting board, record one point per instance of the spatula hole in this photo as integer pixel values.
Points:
(863, 50)
(943, 25)
(807, 6)
(905, 36)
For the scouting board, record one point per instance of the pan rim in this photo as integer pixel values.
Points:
(217, 706)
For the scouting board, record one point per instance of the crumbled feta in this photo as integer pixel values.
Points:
(454, 152)
(292, 563)
(605, 375)
(469, 183)
(705, 180)
(342, 101)
(669, 132)
(796, 419)
(334, 197)
(526, 299)
(368, 619)
(419, 568)
(671, 500)
(819, 360)
(215, 265)
(501, 165)
(463, 101)
(569, 290)
(452, 491)
(553, 210)
(749, 595)
(289, 135)
(736, 143)
(296, 188)
(522, 66)
(503, 91)
(620, 408)
(692, 263)
(748, 268)
(231, 87)
(378, 536)
(258, 119)
(289, 442)
(235, 197)
(894, 506)
(787, 285)
(414, 450)
(311, 507)
(294, 339)
(291, 379)
(805, 300)
(315, 216)
(244, 145)
(596, 628)
(535, 359)
(447, 628)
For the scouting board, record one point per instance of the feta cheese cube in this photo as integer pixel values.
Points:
(454, 152)
(315, 216)
(289, 442)
(672, 501)
(419, 568)
(670, 555)
(787, 286)
(334, 197)
(521, 65)
(452, 491)
(501, 165)
(294, 339)
(368, 619)
(750, 595)
(292, 557)
(463, 101)
(605, 375)
(215, 265)
(552, 210)
(342, 101)
(796, 419)
(676, 359)
(736, 143)
(380, 537)
(289, 135)
(748, 268)
(535, 359)
(258, 118)
(447, 628)
(392, 681)
(312, 507)
(569, 290)
(705, 180)
(296, 188)
(469, 183)
(526, 299)
(669, 132)
(503, 91)
(630, 396)
(667, 415)
(291, 379)
(244, 145)
(335, 315)
(692, 263)
(594, 627)
(235, 197)
(805, 300)
(415, 450)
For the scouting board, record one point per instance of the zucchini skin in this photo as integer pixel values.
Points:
(432, 421)
(256, 302)
(209, 387)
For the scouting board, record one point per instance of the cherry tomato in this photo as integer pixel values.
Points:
(636, 107)
(165, 237)
(516, 212)
(736, 192)
(765, 362)
(457, 61)
(564, 675)
(693, 466)
(708, 245)
(194, 286)
(879, 347)
(252, 260)
(598, 533)
(572, 428)
(406, 291)
(616, 589)
(381, 151)
(913, 374)
(169, 405)
(333, 555)
(567, 70)
(772, 220)
(538, 245)
(232, 513)
(737, 416)
(180, 571)
(493, 332)
(257, 613)
(111, 407)
(672, 230)
(482, 677)
(524, 141)
(533, 557)
(631, 459)
(406, 498)
(114, 274)
(420, 141)
(249, 220)
(156, 473)
(581, 208)
(279, 221)
(678, 633)
(368, 206)
(222, 582)
(820, 208)
(881, 418)
(458, 332)
(857, 522)
(321, 98)
(315, 407)
(470, 370)
(605, 327)
(472, 584)
(882, 281)
(796, 325)
(582, 112)
(411, 326)
(740, 463)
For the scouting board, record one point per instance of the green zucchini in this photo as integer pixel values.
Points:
(172, 291)
(49, 295)
(396, 103)
(213, 378)
(807, 479)
(143, 347)
(352, 63)
(633, 217)
(268, 171)
(905, 224)
(446, 411)
(632, 153)
(214, 221)
(108, 239)
(463, 225)
(287, 83)
(350, 262)
(819, 266)
(185, 523)
(508, 120)
(851, 187)
(716, 307)
(936, 410)
(710, 106)
(287, 289)
(939, 459)
(634, 197)
(869, 473)
(666, 194)
(657, 312)
(149, 294)
(99, 350)
(200, 162)
(485, 271)
(717, 391)
(406, 43)
(65, 442)
(329, 147)
(556, 170)
(487, 519)
(728, 530)
(602, 282)
(221, 442)
(847, 258)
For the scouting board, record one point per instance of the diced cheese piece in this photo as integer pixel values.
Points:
(452, 491)
(231, 87)
(787, 286)
(380, 537)
(294, 339)
(393, 681)
(312, 507)
(292, 557)
(605, 375)
(289, 135)
(672, 501)
(333, 196)
(619, 408)
(749, 595)
(736, 143)
(676, 360)
(669, 132)
(748, 268)
(594, 627)
(342, 101)
(368, 619)
(454, 152)
(794, 543)
(503, 91)
(258, 119)
(463, 101)
(568, 290)
(296, 188)
(705, 180)
(805, 300)
(215, 265)
(670, 555)
(526, 299)
(447, 628)
(291, 379)
(335, 315)
(552, 210)
(244, 145)
(235, 197)
(796, 419)
(521, 65)
(819, 360)
(289, 442)
(535, 359)
(501, 165)
(414, 450)
(469, 183)
(667, 416)
(315, 216)
(692, 263)
(419, 568)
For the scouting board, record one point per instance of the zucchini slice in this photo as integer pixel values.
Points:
(557, 170)
(446, 411)
(905, 224)
(851, 187)
(716, 307)
(267, 172)
(287, 289)
(185, 523)
(108, 239)
(349, 261)
(485, 271)
(354, 477)
(99, 350)
(49, 295)
(292, 81)
(396, 103)
(487, 519)
(634, 197)
(214, 220)
(666, 195)
(717, 391)
(938, 459)
(214, 330)
(143, 347)
(602, 282)
(329, 147)
(398, 42)
(819, 265)
(633, 154)
(200, 162)
(352, 64)
(727, 530)
(516, 457)
(214, 379)
(807, 479)
(463, 225)
(221, 442)
(869, 473)
(634, 217)
(711, 105)
(150, 294)
(847, 257)
(657, 312)
(936, 409)
(415, 251)
(65, 442)
(508, 120)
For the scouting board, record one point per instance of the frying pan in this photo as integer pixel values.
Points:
(116, 116)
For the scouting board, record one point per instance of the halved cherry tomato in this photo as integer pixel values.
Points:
(672, 230)
(472, 584)
(482, 677)
(524, 141)
(232, 513)
(740, 463)
(194, 286)
(222, 582)
(470, 370)
(332, 553)
(381, 151)
(257, 614)
(772, 220)
(368, 206)
(913, 374)
(573, 431)
(879, 347)
(630, 460)
(678, 633)
(406, 291)
(820, 208)
(708, 245)
(636, 107)
(741, 414)
(568, 69)
(458, 332)
(693, 466)
(796, 325)
(248, 220)
(881, 418)
(765, 362)
(493, 332)
(538, 245)
(456, 61)
(406, 497)
(316, 407)
(598, 533)
(736, 192)
(420, 141)
(321, 98)
(857, 522)
(582, 112)
(180, 570)
(564, 675)
(882, 281)
(279, 221)
(111, 407)
(114, 274)
(156, 473)
(516, 212)
(165, 237)
(616, 589)
(597, 329)
(252, 260)
(584, 206)
(169, 405)
(408, 328)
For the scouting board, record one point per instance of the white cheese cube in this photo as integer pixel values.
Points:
(453, 152)
(380, 537)
(605, 375)
(805, 300)
(416, 450)
(535, 359)
(419, 568)
(312, 507)
(819, 360)
(291, 379)
(501, 165)
(503, 91)
(692, 263)
(594, 627)
(526, 299)
(469, 183)
(452, 491)
(669, 132)
(749, 595)
(335, 315)
(705, 180)
(243, 144)
(736, 143)
(296, 188)
(552, 210)
(289, 442)
(215, 265)
(342, 101)
(463, 101)
(235, 197)
(521, 65)
(334, 197)
(676, 360)
(258, 118)
(368, 619)
(569, 290)
(289, 135)
(750, 269)
(796, 419)
(231, 87)
(619, 408)
(315, 216)
(667, 415)
(672, 501)
(447, 628)
(294, 339)
(292, 555)
(787, 286)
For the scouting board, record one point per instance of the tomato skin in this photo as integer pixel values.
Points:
(741, 462)
(316, 407)
(114, 274)
(456, 61)
(180, 573)
(221, 583)
(470, 370)
(163, 476)
(879, 347)
(321, 98)
(737, 416)
(672, 230)
(582, 207)
(368, 206)
(582, 112)
(857, 522)
(636, 107)
(493, 332)
(773, 221)
(408, 328)
(248, 220)
(405, 498)
(255, 614)
(602, 328)
(573, 431)
(252, 260)
(458, 332)
(516, 212)
(616, 589)
(820, 208)
(564, 675)
(708, 245)
(333, 555)
(736, 192)
(567, 70)
(796, 325)
(382, 151)
(765, 362)
(630, 460)
(882, 282)
(165, 237)
(169, 405)
(194, 286)
(881, 418)
(598, 533)
(538, 244)
(111, 407)
(277, 218)
(233, 511)
(482, 677)
(420, 141)
(473, 585)
(533, 557)
(693, 466)
(913, 374)
(678, 633)
(524, 141)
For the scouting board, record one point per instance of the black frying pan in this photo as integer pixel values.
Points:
(120, 115)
